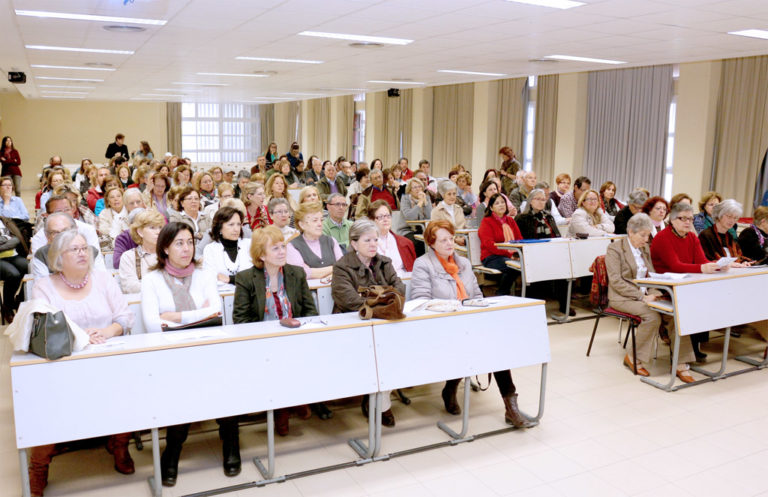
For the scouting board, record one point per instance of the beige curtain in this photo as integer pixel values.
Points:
(320, 116)
(546, 124)
(741, 132)
(396, 130)
(511, 110)
(452, 116)
(173, 127)
(345, 123)
(266, 126)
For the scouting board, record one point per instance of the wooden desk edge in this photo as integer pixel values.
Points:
(460, 313)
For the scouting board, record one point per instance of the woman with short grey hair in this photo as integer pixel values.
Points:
(629, 259)
(717, 240)
(448, 208)
(415, 205)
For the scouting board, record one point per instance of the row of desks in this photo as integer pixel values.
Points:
(93, 392)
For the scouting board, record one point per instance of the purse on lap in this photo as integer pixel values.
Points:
(381, 302)
(51, 336)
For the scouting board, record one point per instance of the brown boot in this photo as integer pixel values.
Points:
(512, 415)
(282, 420)
(39, 461)
(117, 445)
(449, 397)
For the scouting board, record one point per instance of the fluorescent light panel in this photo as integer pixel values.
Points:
(303, 94)
(185, 90)
(45, 66)
(270, 59)
(555, 4)
(751, 33)
(395, 82)
(68, 87)
(84, 50)
(350, 37)
(88, 17)
(584, 59)
(472, 73)
(238, 75)
(161, 95)
(84, 80)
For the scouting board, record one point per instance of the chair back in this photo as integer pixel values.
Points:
(598, 294)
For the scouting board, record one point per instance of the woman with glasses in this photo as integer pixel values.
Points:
(189, 212)
(589, 218)
(280, 213)
(717, 241)
(657, 209)
(396, 247)
(256, 212)
(10, 205)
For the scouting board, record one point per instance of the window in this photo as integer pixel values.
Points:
(530, 125)
(671, 137)
(358, 129)
(220, 132)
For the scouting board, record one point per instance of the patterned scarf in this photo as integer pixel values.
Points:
(452, 268)
(179, 281)
(543, 229)
(277, 304)
(260, 219)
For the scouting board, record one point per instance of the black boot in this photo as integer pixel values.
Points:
(364, 406)
(449, 397)
(169, 461)
(512, 414)
(230, 445)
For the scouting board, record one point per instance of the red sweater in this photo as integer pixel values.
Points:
(491, 233)
(92, 197)
(384, 194)
(407, 251)
(670, 253)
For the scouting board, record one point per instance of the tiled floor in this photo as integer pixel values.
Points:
(604, 433)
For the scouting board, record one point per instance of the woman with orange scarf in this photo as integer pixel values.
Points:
(441, 274)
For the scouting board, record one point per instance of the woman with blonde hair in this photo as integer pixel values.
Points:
(206, 187)
(256, 212)
(312, 250)
(589, 218)
(136, 262)
(277, 187)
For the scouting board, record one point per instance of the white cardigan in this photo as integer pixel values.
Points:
(581, 222)
(156, 298)
(217, 261)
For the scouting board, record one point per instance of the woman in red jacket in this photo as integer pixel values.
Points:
(11, 161)
(396, 247)
(496, 227)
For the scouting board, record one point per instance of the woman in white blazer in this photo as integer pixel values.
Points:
(589, 218)
(229, 253)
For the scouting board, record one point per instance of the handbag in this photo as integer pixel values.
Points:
(51, 336)
(381, 302)
(212, 320)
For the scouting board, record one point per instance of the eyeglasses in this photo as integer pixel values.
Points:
(338, 204)
(281, 212)
(77, 250)
(383, 217)
(590, 200)
(685, 219)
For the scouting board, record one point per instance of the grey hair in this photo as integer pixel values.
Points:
(445, 187)
(639, 222)
(244, 174)
(54, 215)
(678, 209)
(534, 193)
(60, 243)
(726, 207)
(637, 198)
(542, 185)
(376, 171)
(332, 196)
(361, 227)
(276, 201)
(130, 192)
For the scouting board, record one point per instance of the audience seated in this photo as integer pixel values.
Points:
(498, 226)
(228, 254)
(330, 182)
(11, 206)
(110, 218)
(519, 194)
(680, 197)
(224, 191)
(314, 252)
(189, 212)
(377, 191)
(717, 241)
(93, 301)
(255, 207)
(399, 249)
(361, 267)
(158, 195)
(55, 223)
(657, 209)
(608, 201)
(280, 213)
(205, 185)
(54, 178)
(629, 259)
(464, 190)
(136, 262)
(415, 205)
(109, 183)
(589, 218)
(278, 188)
(754, 239)
(13, 266)
(60, 203)
(448, 208)
(634, 205)
(335, 225)
(569, 202)
(96, 191)
(562, 185)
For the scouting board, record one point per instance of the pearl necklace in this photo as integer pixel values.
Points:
(74, 286)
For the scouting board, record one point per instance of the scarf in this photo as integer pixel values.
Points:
(505, 228)
(277, 304)
(452, 268)
(260, 219)
(760, 237)
(179, 281)
(543, 228)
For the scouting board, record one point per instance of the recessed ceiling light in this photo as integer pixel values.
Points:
(73, 49)
(270, 59)
(584, 59)
(555, 4)
(365, 44)
(88, 17)
(343, 36)
(395, 82)
(198, 84)
(238, 75)
(62, 96)
(751, 33)
(98, 64)
(84, 80)
(79, 68)
(473, 73)
(68, 87)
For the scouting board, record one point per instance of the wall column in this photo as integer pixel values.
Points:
(571, 124)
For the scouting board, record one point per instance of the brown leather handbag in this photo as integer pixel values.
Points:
(381, 302)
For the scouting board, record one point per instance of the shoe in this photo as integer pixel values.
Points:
(735, 334)
(38, 478)
(685, 376)
(449, 399)
(664, 336)
(641, 371)
(387, 418)
(169, 465)
(302, 412)
(701, 357)
(321, 411)
(230, 450)
(117, 445)
(282, 422)
(364, 406)
(512, 414)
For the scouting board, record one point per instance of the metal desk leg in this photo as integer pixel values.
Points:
(24, 469)
(720, 373)
(566, 316)
(367, 453)
(156, 481)
(458, 438)
(542, 393)
(753, 362)
(268, 471)
(675, 355)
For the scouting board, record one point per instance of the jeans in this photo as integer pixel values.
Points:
(12, 270)
(508, 275)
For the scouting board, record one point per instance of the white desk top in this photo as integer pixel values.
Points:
(694, 278)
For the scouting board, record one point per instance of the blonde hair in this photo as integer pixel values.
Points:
(149, 217)
(271, 183)
(248, 189)
(594, 215)
(306, 209)
(259, 241)
(305, 192)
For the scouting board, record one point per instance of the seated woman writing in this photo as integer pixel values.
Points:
(93, 301)
(272, 290)
(443, 274)
(629, 259)
(364, 266)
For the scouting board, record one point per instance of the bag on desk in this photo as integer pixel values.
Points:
(212, 320)
(381, 302)
(51, 337)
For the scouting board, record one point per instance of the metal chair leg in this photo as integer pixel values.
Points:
(592, 338)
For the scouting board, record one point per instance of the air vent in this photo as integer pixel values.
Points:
(124, 28)
(366, 44)
(266, 73)
(542, 61)
(98, 64)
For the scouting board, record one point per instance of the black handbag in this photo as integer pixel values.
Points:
(51, 336)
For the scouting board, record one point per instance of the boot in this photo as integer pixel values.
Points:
(388, 418)
(512, 415)
(117, 445)
(38, 469)
(282, 421)
(169, 461)
(449, 397)
(230, 446)
(364, 406)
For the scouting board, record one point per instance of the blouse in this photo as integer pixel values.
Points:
(127, 274)
(388, 247)
(217, 261)
(14, 209)
(294, 257)
(157, 298)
